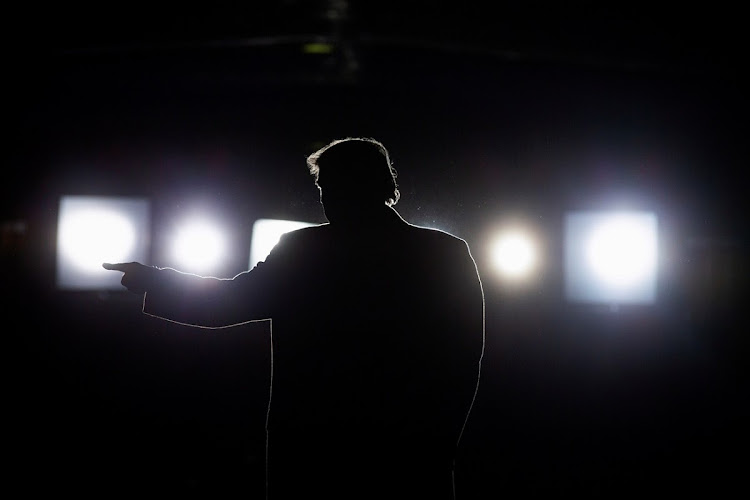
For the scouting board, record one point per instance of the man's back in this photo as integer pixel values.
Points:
(376, 341)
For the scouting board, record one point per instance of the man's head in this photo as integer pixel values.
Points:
(355, 177)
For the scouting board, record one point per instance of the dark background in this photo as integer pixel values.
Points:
(492, 114)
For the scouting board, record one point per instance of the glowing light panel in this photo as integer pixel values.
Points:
(198, 246)
(92, 230)
(266, 234)
(611, 257)
(514, 254)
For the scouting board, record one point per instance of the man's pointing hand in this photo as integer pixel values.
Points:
(136, 277)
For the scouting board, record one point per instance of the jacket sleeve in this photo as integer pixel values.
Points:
(210, 302)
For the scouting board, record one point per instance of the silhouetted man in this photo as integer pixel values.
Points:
(377, 337)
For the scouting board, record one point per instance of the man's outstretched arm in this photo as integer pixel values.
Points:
(196, 300)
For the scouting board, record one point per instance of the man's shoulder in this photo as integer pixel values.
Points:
(437, 236)
(411, 233)
(306, 232)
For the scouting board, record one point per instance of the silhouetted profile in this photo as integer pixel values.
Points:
(377, 336)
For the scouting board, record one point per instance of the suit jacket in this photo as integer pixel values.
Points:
(377, 338)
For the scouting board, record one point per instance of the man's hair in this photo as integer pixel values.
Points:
(363, 161)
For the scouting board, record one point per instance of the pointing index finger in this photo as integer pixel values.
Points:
(115, 267)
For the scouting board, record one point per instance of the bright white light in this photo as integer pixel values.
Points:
(198, 247)
(266, 234)
(92, 230)
(514, 255)
(622, 251)
(89, 237)
(611, 257)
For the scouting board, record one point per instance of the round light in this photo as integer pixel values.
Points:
(90, 237)
(198, 247)
(622, 252)
(514, 255)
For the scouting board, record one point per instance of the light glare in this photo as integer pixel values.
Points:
(198, 247)
(514, 255)
(93, 230)
(89, 237)
(622, 251)
(611, 258)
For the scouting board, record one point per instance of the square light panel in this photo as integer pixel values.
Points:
(96, 229)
